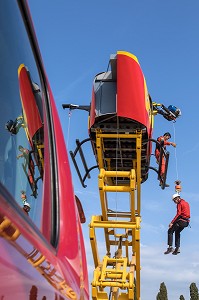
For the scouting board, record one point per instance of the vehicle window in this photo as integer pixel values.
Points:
(21, 115)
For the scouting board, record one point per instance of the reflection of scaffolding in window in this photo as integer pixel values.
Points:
(119, 272)
(8, 230)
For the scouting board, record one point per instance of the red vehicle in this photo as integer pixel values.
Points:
(42, 254)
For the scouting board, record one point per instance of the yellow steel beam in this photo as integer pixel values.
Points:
(99, 148)
(118, 284)
(113, 272)
(104, 206)
(138, 169)
(137, 255)
(116, 173)
(103, 196)
(118, 135)
(94, 246)
(116, 188)
(132, 194)
(97, 222)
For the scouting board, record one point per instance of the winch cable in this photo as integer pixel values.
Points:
(20, 175)
(68, 131)
(116, 182)
(176, 160)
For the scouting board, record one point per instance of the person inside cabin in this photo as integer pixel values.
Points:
(14, 126)
(179, 222)
(162, 140)
(170, 113)
(175, 111)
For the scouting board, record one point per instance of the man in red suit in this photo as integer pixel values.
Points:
(162, 140)
(179, 222)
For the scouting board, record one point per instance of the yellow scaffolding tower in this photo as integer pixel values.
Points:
(120, 273)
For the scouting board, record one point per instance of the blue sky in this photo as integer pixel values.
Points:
(76, 39)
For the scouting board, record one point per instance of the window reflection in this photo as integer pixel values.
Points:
(30, 123)
(36, 259)
(21, 116)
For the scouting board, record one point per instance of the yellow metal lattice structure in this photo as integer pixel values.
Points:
(117, 276)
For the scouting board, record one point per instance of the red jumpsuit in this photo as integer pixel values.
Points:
(157, 152)
(183, 211)
(180, 221)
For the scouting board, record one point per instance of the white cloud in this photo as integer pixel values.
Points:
(177, 272)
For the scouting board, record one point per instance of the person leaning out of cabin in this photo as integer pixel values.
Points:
(164, 141)
(179, 222)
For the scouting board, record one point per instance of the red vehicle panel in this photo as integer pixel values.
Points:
(42, 249)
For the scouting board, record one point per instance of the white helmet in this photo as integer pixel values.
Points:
(26, 204)
(175, 196)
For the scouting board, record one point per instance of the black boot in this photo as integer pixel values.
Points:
(169, 250)
(176, 251)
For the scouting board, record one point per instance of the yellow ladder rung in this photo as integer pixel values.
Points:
(114, 224)
(114, 276)
(112, 283)
(116, 174)
(115, 188)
